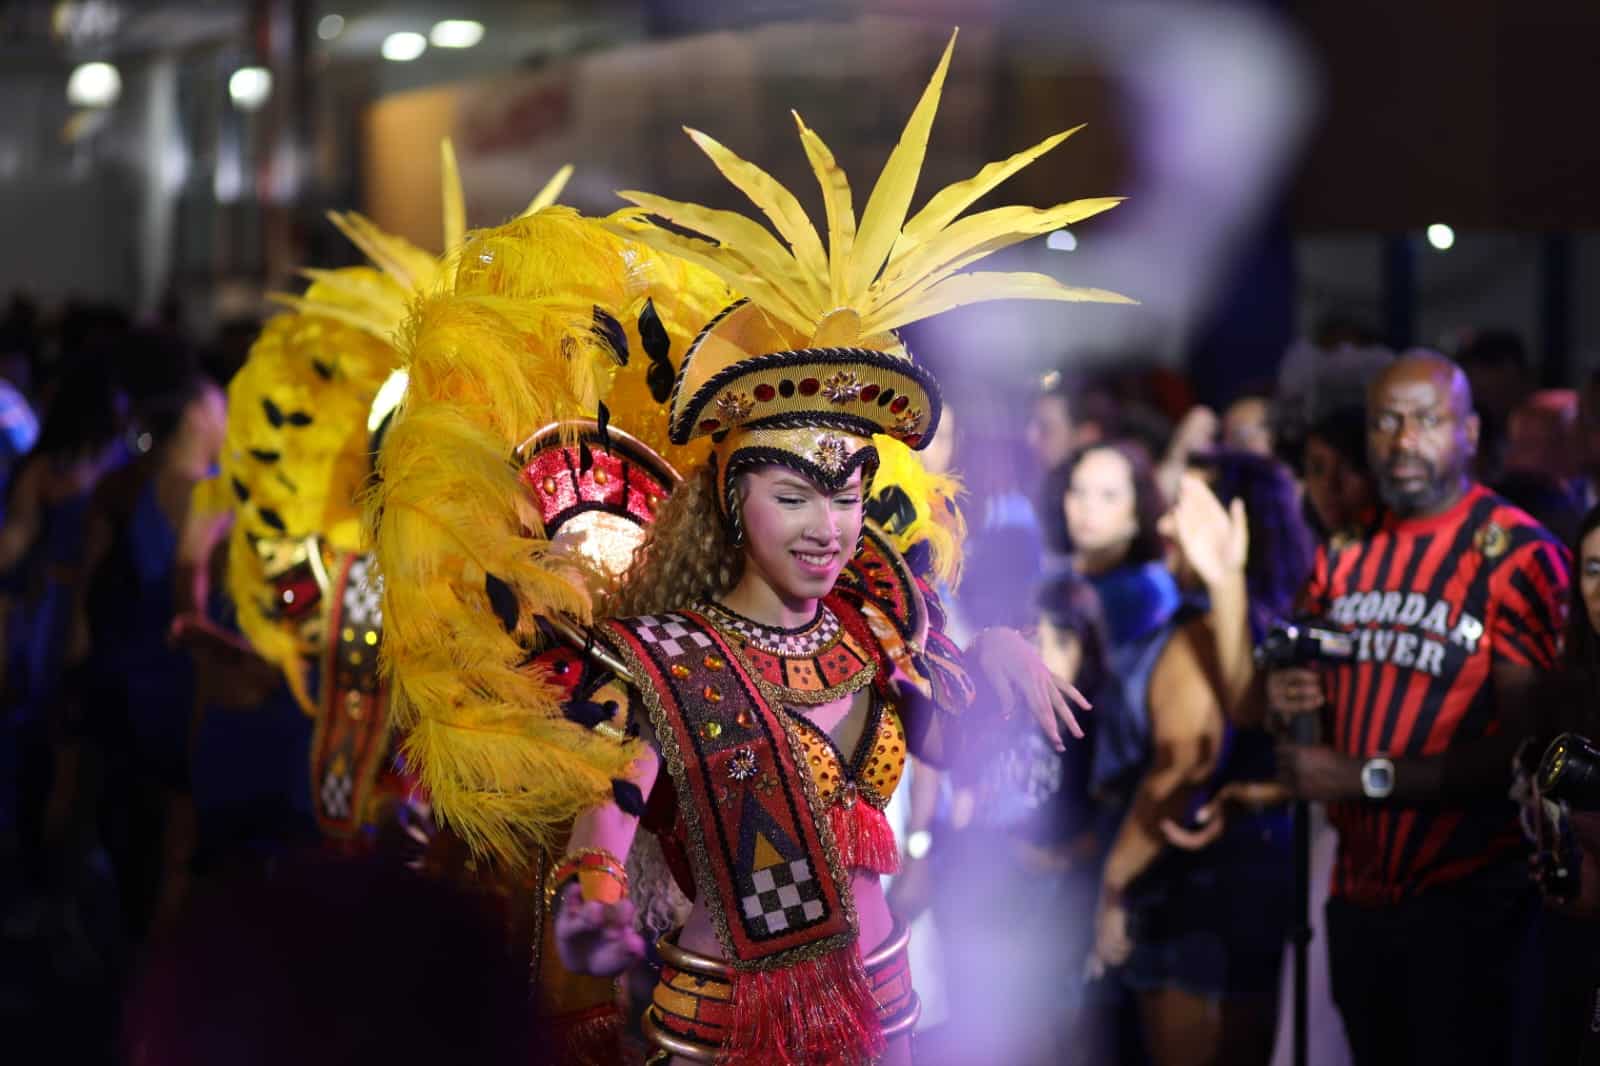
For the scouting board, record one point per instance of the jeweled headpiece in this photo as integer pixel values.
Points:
(808, 368)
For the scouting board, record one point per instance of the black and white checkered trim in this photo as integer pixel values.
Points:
(785, 895)
(668, 632)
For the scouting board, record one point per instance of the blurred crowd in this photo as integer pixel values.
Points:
(1132, 899)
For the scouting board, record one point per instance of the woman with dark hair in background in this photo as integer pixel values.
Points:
(1198, 939)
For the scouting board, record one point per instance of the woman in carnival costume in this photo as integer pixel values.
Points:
(565, 627)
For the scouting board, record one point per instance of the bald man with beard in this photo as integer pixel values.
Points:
(1456, 602)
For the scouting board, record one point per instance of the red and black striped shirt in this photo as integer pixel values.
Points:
(1435, 604)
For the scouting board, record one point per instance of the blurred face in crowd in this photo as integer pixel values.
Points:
(1100, 505)
(1245, 426)
(1421, 434)
(1049, 431)
(1589, 576)
(205, 420)
(1338, 492)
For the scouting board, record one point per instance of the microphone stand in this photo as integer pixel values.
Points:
(1302, 730)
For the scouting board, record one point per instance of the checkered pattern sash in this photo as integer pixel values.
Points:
(761, 856)
(766, 867)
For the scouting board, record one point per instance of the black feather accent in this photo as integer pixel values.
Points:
(892, 509)
(240, 492)
(262, 455)
(585, 457)
(274, 415)
(609, 330)
(299, 419)
(919, 557)
(324, 371)
(587, 713)
(628, 797)
(658, 346)
(273, 519)
(605, 426)
(502, 600)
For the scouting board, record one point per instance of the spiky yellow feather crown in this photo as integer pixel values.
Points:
(810, 367)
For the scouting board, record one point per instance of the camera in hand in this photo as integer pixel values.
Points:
(1570, 772)
(1303, 643)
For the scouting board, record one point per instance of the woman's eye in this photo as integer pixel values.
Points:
(847, 501)
(790, 501)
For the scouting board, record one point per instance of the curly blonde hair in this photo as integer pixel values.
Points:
(686, 557)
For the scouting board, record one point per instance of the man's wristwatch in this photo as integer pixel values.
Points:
(1377, 778)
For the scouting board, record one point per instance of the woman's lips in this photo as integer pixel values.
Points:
(817, 564)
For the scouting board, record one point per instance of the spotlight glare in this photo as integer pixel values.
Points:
(250, 87)
(1441, 236)
(1061, 240)
(330, 26)
(455, 33)
(94, 85)
(403, 47)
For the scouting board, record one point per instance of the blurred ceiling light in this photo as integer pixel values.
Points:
(250, 87)
(94, 85)
(455, 33)
(330, 26)
(404, 47)
(1061, 240)
(1441, 236)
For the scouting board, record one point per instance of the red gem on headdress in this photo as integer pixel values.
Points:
(913, 441)
(765, 393)
(809, 386)
(869, 393)
(709, 425)
(899, 405)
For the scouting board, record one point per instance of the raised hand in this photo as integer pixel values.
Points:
(596, 938)
(1215, 540)
(1013, 668)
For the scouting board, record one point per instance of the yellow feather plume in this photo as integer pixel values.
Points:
(937, 521)
(504, 347)
(889, 270)
(295, 454)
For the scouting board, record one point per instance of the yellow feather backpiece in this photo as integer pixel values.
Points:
(887, 269)
(503, 348)
(295, 456)
(299, 473)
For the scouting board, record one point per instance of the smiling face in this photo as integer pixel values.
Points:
(798, 536)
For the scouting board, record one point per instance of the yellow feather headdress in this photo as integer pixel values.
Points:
(810, 367)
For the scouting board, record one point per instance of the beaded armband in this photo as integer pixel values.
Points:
(579, 865)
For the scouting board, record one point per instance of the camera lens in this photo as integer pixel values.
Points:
(1570, 772)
